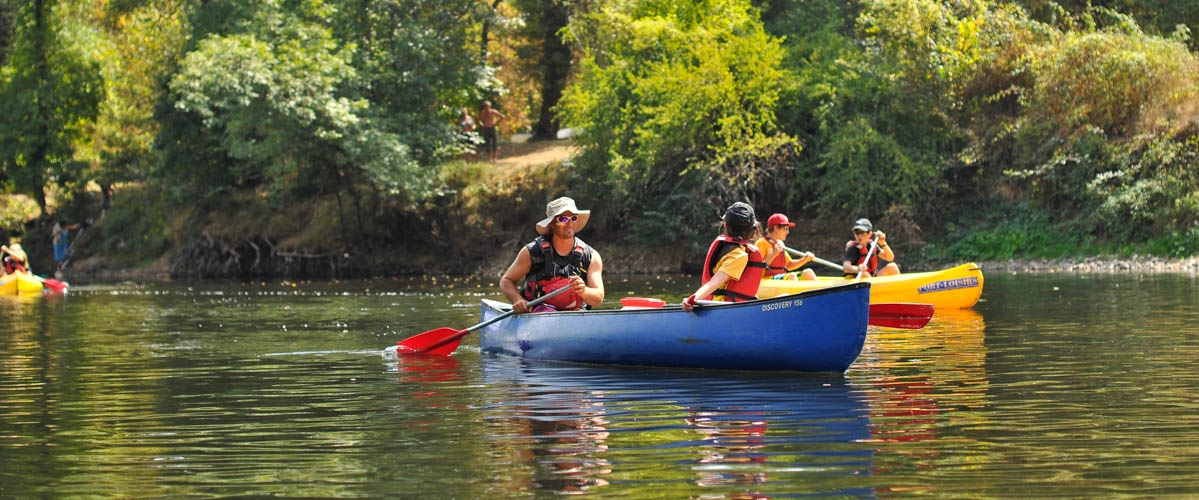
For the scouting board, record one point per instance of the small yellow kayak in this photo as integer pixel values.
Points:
(954, 288)
(20, 283)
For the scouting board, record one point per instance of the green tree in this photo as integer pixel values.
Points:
(143, 43)
(50, 90)
(547, 57)
(676, 102)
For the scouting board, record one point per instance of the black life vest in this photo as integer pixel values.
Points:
(548, 272)
(871, 266)
(738, 290)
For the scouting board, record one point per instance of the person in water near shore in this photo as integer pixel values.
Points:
(773, 245)
(62, 241)
(732, 267)
(857, 248)
(556, 259)
(14, 258)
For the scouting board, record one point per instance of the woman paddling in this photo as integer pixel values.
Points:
(857, 249)
(733, 267)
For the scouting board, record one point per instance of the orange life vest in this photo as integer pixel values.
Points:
(738, 290)
(779, 264)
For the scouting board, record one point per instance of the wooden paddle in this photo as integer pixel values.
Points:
(443, 341)
(909, 316)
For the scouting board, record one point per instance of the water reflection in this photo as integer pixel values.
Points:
(922, 386)
(571, 429)
(1059, 385)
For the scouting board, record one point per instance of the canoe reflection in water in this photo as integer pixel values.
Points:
(559, 434)
(918, 381)
(583, 427)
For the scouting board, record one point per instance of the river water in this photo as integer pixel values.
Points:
(1055, 385)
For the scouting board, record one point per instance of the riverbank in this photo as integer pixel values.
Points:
(1133, 264)
(474, 230)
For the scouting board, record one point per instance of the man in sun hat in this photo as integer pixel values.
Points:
(857, 248)
(773, 245)
(14, 258)
(556, 259)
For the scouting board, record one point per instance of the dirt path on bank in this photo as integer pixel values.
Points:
(518, 156)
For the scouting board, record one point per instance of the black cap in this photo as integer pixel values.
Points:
(739, 217)
(863, 224)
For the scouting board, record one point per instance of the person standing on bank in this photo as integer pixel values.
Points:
(857, 248)
(556, 259)
(489, 118)
(774, 246)
(733, 267)
(466, 127)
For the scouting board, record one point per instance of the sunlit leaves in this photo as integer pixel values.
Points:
(275, 100)
(672, 89)
(50, 91)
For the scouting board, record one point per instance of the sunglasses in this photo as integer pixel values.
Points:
(859, 232)
(567, 218)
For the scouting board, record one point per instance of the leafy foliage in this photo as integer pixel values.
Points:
(677, 102)
(50, 90)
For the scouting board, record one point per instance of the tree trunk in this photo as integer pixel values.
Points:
(555, 67)
(485, 36)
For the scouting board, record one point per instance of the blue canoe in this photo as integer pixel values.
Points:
(819, 330)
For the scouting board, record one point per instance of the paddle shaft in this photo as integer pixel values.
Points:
(815, 259)
(462, 333)
(531, 303)
(861, 270)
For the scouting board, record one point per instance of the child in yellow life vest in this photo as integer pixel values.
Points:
(732, 269)
(773, 246)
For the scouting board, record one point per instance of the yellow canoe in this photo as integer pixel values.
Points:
(19, 283)
(954, 288)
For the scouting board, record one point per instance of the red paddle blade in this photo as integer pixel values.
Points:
(441, 342)
(54, 285)
(907, 323)
(901, 315)
(642, 302)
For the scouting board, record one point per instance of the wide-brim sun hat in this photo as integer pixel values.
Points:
(18, 251)
(558, 207)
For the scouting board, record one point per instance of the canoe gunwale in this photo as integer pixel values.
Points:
(503, 307)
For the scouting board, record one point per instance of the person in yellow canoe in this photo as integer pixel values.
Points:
(773, 245)
(14, 258)
(857, 248)
(556, 259)
(732, 267)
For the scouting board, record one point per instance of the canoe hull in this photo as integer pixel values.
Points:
(954, 288)
(822, 330)
(19, 284)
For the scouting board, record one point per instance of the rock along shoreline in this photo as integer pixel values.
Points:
(1136, 264)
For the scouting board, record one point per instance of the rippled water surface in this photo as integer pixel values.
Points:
(1054, 386)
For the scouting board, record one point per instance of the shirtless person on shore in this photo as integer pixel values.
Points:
(489, 118)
